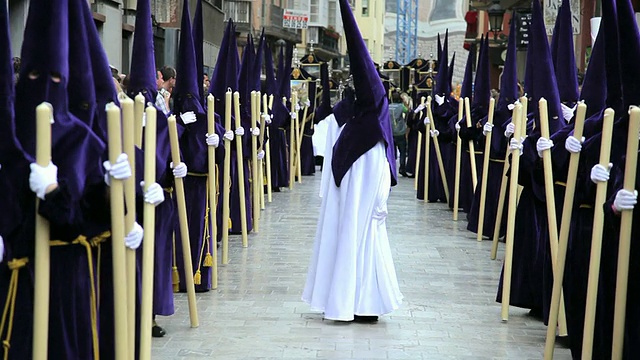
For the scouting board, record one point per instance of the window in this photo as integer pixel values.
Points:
(332, 14)
(314, 11)
(365, 7)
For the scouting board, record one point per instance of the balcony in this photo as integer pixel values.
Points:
(240, 12)
(325, 42)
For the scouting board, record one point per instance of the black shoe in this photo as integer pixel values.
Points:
(364, 319)
(404, 174)
(410, 176)
(157, 331)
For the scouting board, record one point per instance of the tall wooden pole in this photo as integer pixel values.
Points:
(626, 224)
(418, 153)
(117, 238)
(226, 183)
(240, 165)
(255, 183)
(44, 114)
(472, 148)
(485, 172)
(596, 239)
(184, 225)
(267, 153)
(436, 146)
(456, 181)
(148, 243)
(213, 191)
(563, 239)
(263, 139)
(427, 148)
(501, 198)
(292, 139)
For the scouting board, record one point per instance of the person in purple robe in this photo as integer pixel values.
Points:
(193, 145)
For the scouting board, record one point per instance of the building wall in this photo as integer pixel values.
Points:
(369, 15)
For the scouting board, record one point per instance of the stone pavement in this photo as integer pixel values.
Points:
(446, 276)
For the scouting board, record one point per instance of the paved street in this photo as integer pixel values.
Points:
(447, 278)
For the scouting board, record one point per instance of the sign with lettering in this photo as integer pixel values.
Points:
(523, 22)
(295, 19)
(551, 12)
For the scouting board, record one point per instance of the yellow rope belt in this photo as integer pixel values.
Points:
(88, 244)
(586, 206)
(198, 174)
(561, 183)
(496, 160)
(10, 303)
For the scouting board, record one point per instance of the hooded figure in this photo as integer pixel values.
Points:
(142, 80)
(193, 147)
(307, 158)
(281, 122)
(351, 275)
(501, 116)
(198, 44)
(442, 110)
(564, 61)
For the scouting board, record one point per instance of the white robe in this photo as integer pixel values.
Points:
(330, 135)
(351, 269)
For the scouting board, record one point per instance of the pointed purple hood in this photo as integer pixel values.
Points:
(198, 43)
(482, 84)
(324, 109)
(563, 56)
(271, 86)
(630, 57)
(442, 87)
(142, 76)
(467, 81)
(594, 85)
(370, 123)
(509, 81)
(186, 93)
(225, 74)
(451, 67)
(257, 65)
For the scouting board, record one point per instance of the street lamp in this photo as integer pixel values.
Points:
(496, 16)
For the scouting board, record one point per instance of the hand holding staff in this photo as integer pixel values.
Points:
(148, 243)
(240, 161)
(42, 248)
(213, 196)
(456, 181)
(254, 102)
(563, 239)
(436, 145)
(626, 223)
(596, 239)
(472, 149)
(184, 225)
(117, 237)
(226, 183)
(485, 172)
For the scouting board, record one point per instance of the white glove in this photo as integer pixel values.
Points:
(599, 173)
(255, 131)
(188, 117)
(228, 135)
(434, 133)
(543, 144)
(625, 200)
(439, 99)
(294, 115)
(180, 170)
(307, 103)
(573, 145)
(266, 118)
(1, 248)
(516, 144)
(567, 112)
(487, 128)
(133, 239)
(419, 108)
(298, 107)
(260, 154)
(240, 131)
(511, 129)
(119, 171)
(427, 121)
(154, 194)
(457, 126)
(41, 178)
(513, 106)
(213, 140)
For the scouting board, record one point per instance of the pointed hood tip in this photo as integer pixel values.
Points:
(142, 75)
(186, 92)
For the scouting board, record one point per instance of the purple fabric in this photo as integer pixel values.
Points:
(467, 82)
(594, 85)
(198, 42)
(271, 87)
(451, 68)
(482, 84)
(629, 57)
(443, 85)
(186, 93)
(225, 74)
(563, 56)
(142, 74)
(324, 109)
(257, 65)
(371, 123)
(509, 92)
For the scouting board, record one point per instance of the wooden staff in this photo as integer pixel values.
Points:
(42, 239)
(213, 191)
(418, 153)
(427, 146)
(626, 222)
(254, 163)
(511, 215)
(226, 182)
(501, 198)
(596, 239)
(456, 181)
(472, 148)
(563, 239)
(551, 208)
(299, 132)
(138, 117)
(240, 160)
(184, 225)
(263, 138)
(126, 104)
(436, 145)
(292, 138)
(148, 243)
(485, 172)
(117, 237)
(267, 145)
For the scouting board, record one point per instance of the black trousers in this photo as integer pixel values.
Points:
(400, 144)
